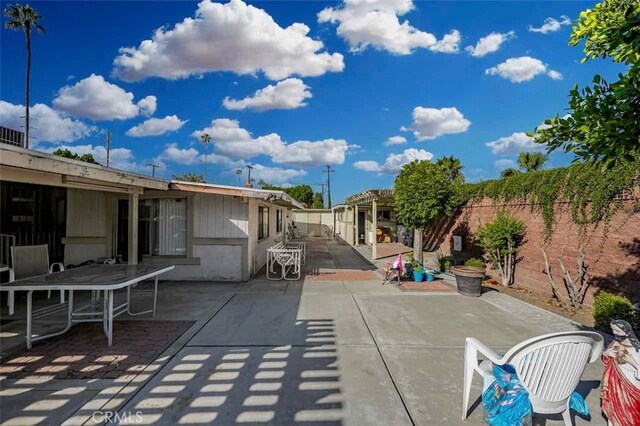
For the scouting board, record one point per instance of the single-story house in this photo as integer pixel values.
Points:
(89, 212)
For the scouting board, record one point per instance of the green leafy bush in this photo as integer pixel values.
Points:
(478, 263)
(607, 307)
(444, 260)
(502, 239)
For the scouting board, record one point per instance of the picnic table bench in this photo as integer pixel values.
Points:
(289, 256)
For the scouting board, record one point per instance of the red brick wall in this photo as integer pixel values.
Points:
(613, 262)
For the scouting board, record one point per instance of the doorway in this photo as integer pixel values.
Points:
(361, 229)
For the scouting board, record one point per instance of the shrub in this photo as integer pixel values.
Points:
(502, 239)
(445, 261)
(607, 307)
(478, 263)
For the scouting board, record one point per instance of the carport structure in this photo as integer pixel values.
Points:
(370, 201)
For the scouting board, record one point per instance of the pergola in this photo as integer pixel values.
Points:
(370, 197)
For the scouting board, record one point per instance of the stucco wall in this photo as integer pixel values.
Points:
(314, 223)
(217, 263)
(612, 255)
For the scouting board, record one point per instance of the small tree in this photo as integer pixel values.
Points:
(190, 177)
(423, 193)
(501, 239)
(318, 202)
(576, 285)
(87, 158)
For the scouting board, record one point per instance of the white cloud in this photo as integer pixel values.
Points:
(275, 175)
(551, 25)
(234, 37)
(231, 140)
(514, 144)
(554, 75)
(48, 125)
(172, 153)
(156, 126)
(489, 44)
(98, 99)
(375, 23)
(394, 162)
(119, 158)
(429, 123)
(396, 140)
(524, 68)
(505, 163)
(287, 94)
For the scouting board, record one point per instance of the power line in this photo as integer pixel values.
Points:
(328, 170)
(153, 169)
(322, 185)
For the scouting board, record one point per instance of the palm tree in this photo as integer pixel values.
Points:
(509, 172)
(205, 138)
(531, 161)
(452, 168)
(25, 18)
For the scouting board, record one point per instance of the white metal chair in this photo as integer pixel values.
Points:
(549, 367)
(30, 261)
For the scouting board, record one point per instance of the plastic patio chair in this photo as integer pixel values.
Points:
(30, 261)
(549, 367)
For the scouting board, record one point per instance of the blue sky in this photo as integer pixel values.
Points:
(358, 74)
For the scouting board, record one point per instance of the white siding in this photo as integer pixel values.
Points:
(258, 249)
(219, 216)
(86, 213)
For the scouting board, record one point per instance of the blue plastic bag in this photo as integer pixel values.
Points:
(506, 401)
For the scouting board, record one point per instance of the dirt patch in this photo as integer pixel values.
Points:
(584, 316)
(425, 286)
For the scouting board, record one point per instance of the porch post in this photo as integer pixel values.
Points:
(134, 199)
(356, 225)
(374, 243)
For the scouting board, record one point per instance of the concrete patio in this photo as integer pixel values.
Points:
(335, 347)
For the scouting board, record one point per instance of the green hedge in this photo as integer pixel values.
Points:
(607, 307)
(591, 191)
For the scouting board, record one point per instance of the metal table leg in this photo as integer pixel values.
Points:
(30, 337)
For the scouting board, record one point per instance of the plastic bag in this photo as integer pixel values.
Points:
(506, 401)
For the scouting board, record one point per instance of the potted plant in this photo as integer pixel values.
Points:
(469, 277)
(418, 271)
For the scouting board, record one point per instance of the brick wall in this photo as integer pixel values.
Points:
(613, 262)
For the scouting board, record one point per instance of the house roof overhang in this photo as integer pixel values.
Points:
(280, 198)
(29, 166)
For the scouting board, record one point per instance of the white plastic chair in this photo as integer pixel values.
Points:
(549, 367)
(30, 261)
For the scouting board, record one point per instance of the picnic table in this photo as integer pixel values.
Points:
(96, 278)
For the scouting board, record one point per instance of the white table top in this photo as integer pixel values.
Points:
(91, 277)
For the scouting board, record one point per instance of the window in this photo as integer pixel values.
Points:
(384, 215)
(278, 221)
(162, 228)
(263, 222)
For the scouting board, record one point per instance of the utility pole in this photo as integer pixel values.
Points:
(249, 184)
(153, 169)
(328, 171)
(108, 146)
(322, 185)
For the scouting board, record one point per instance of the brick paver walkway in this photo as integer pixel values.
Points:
(82, 353)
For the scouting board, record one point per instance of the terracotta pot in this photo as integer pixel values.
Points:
(468, 279)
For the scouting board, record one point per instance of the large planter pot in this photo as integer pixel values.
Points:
(418, 276)
(468, 279)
